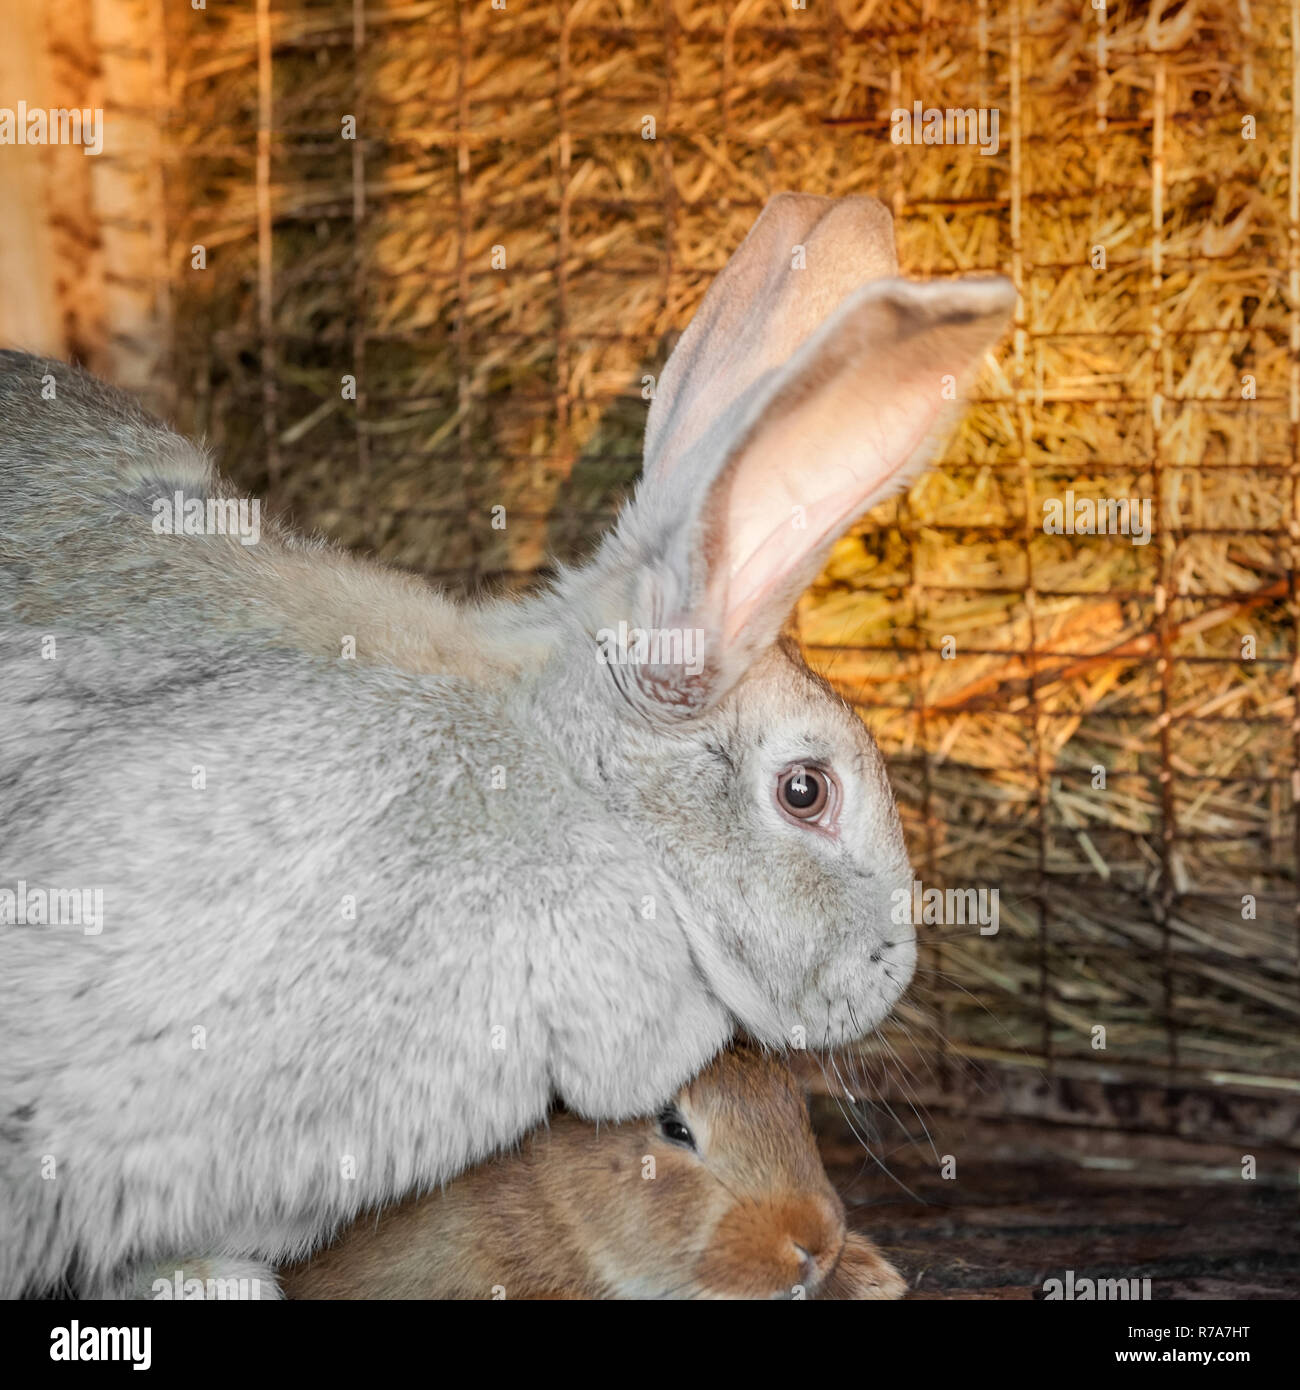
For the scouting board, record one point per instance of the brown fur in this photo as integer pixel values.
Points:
(572, 1215)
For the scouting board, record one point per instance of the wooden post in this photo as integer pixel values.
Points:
(29, 308)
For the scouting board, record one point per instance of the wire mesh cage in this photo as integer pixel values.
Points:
(414, 268)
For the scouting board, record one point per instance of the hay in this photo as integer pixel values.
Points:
(1121, 906)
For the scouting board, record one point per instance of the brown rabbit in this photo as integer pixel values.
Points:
(721, 1195)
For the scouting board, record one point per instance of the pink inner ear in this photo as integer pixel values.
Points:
(767, 555)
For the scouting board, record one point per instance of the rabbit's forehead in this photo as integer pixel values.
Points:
(762, 1140)
(783, 715)
(782, 701)
(792, 718)
(744, 1088)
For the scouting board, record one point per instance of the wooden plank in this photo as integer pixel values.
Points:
(29, 308)
(1032, 1200)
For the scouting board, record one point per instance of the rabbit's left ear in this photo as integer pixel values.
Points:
(741, 504)
(850, 420)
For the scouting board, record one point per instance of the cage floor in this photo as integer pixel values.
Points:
(1033, 1199)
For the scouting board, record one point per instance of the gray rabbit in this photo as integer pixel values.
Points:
(378, 876)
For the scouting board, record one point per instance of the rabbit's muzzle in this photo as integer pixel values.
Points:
(774, 1247)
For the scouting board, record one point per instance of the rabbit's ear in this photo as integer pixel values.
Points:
(798, 399)
(802, 257)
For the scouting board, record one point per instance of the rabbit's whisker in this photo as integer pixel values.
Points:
(904, 1078)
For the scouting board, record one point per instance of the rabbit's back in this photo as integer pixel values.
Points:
(81, 465)
(77, 461)
(94, 536)
(71, 438)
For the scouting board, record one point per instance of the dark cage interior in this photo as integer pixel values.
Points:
(412, 269)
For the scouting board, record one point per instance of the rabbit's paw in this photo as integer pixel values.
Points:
(863, 1272)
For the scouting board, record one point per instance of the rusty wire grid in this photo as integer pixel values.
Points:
(1123, 906)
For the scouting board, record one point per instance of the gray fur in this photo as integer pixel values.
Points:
(627, 898)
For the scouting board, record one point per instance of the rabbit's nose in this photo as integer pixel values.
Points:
(815, 1241)
(813, 1255)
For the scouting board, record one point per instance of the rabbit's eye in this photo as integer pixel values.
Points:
(672, 1126)
(804, 792)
